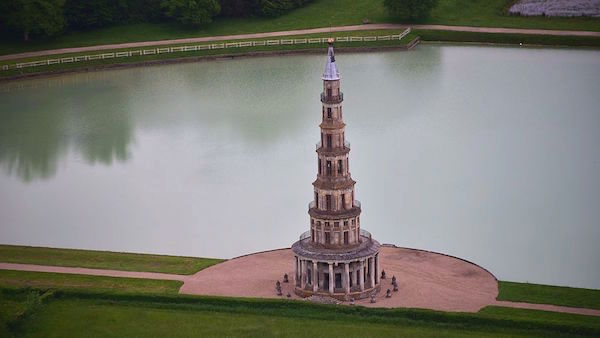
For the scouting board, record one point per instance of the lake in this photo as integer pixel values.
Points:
(491, 154)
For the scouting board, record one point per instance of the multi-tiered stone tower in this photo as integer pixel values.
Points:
(335, 257)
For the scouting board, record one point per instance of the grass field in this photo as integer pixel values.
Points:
(491, 13)
(321, 13)
(104, 314)
(104, 259)
(547, 294)
(58, 305)
(45, 280)
(513, 39)
(213, 52)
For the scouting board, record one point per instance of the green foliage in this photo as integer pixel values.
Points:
(265, 8)
(101, 13)
(410, 9)
(192, 12)
(92, 13)
(33, 17)
(239, 8)
(549, 294)
(104, 259)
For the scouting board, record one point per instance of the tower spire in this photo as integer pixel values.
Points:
(331, 72)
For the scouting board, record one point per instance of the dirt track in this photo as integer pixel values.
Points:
(298, 32)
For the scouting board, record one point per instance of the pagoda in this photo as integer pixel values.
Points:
(335, 257)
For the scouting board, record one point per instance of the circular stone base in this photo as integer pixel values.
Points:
(425, 279)
(339, 296)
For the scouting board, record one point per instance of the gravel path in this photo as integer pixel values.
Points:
(297, 32)
(548, 307)
(425, 279)
(93, 272)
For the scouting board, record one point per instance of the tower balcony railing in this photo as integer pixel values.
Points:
(320, 144)
(313, 204)
(305, 235)
(332, 99)
(363, 233)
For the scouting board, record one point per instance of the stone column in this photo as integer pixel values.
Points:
(331, 279)
(315, 277)
(372, 271)
(361, 275)
(296, 280)
(347, 279)
(377, 269)
(303, 276)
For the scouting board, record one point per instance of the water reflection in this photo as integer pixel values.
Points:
(40, 127)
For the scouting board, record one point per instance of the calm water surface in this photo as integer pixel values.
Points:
(490, 154)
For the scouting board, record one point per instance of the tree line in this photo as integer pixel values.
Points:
(42, 18)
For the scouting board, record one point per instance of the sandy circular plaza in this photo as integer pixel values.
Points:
(425, 280)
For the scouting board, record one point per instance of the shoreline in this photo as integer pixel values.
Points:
(273, 53)
(294, 32)
(206, 58)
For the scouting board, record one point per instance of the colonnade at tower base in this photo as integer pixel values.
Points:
(348, 274)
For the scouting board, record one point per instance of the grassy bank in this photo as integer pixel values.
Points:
(321, 13)
(212, 52)
(514, 39)
(104, 259)
(45, 281)
(548, 294)
(492, 13)
(107, 314)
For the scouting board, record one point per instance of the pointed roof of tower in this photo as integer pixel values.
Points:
(331, 72)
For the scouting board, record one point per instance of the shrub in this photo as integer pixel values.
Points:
(410, 9)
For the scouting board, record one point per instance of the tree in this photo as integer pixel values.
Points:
(410, 9)
(192, 12)
(34, 17)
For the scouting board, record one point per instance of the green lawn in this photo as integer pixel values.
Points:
(547, 294)
(104, 259)
(490, 13)
(514, 39)
(321, 13)
(62, 318)
(44, 281)
(540, 317)
(104, 314)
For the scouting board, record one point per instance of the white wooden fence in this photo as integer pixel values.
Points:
(179, 49)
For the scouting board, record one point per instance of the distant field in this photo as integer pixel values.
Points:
(548, 294)
(104, 259)
(321, 13)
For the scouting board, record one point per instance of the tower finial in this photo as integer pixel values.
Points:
(331, 72)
